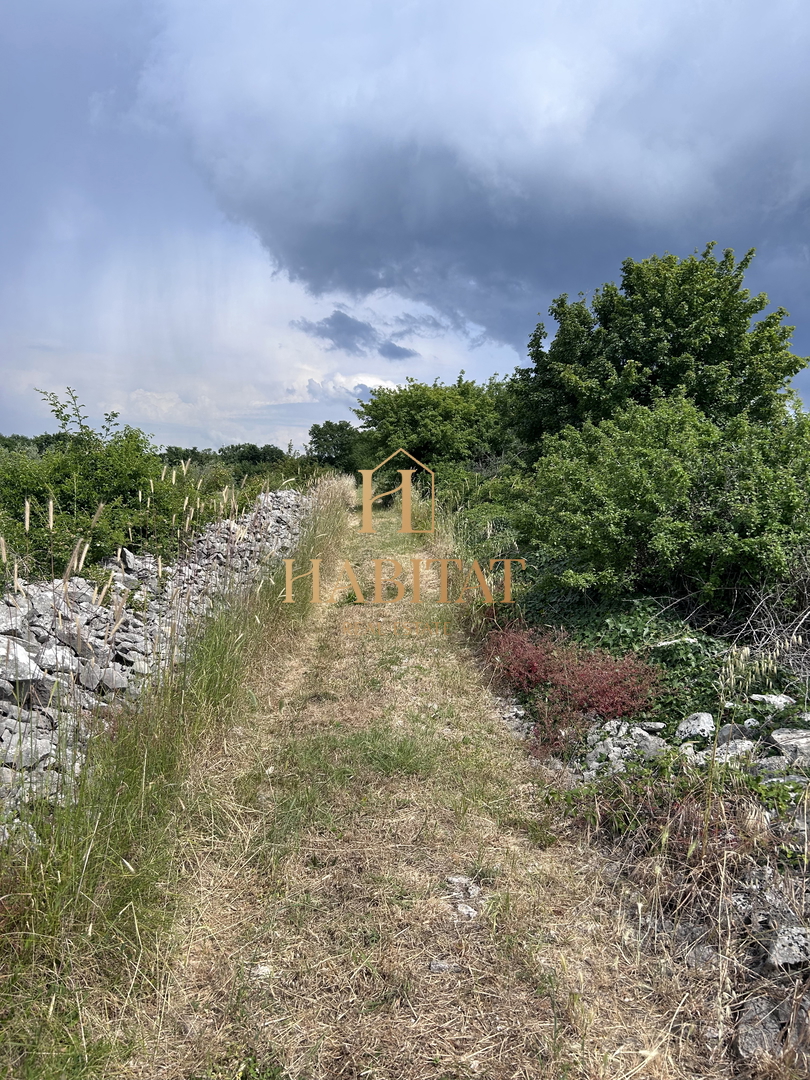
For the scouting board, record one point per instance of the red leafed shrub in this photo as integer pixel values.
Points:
(569, 681)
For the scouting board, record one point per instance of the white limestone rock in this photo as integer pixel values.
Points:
(790, 945)
(650, 746)
(792, 741)
(444, 967)
(22, 750)
(698, 725)
(16, 663)
(53, 657)
(728, 752)
(774, 701)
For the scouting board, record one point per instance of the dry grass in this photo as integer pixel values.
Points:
(87, 910)
(319, 846)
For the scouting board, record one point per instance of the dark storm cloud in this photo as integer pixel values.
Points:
(481, 157)
(182, 179)
(391, 351)
(342, 332)
(352, 336)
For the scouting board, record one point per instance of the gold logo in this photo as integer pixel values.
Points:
(405, 486)
(405, 584)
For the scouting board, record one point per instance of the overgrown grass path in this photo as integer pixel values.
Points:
(374, 887)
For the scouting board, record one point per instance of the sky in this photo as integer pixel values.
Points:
(229, 219)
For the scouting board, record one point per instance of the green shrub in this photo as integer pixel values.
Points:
(462, 422)
(103, 489)
(661, 499)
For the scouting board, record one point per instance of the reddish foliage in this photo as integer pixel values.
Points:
(572, 680)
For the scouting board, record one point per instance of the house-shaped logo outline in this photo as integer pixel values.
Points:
(432, 475)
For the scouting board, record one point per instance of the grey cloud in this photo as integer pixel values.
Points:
(418, 326)
(329, 390)
(482, 160)
(391, 351)
(478, 263)
(342, 332)
(352, 336)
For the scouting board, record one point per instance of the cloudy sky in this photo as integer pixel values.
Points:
(228, 218)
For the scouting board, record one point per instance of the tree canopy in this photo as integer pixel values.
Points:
(335, 443)
(241, 459)
(463, 421)
(672, 326)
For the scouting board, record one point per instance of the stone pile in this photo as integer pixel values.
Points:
(766, 948)
(69, 649)
(764, 914)
(755, 743)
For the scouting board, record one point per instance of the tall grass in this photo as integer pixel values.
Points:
(87, 493)
(86, 911)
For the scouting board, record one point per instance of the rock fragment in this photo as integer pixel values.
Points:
(789, 946)
(792, 741)
(759, 1031)
(444, 967)
(698, 725)
(774, 701)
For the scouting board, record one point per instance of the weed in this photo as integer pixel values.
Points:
(568, 685)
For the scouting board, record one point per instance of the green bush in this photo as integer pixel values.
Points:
(478, 509)
(462, 422)
(662, 500)
(105, 489)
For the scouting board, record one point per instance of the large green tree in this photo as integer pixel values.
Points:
(672, 326)
(336, 443)
(460, 422)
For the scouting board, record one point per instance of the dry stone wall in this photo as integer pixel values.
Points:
(70, 650)
(755, 941)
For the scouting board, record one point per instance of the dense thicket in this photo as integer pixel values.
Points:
(655, 446)
(660, 499)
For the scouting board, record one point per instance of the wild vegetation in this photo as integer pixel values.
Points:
(272, 832)
(653, 449)
(651, 464)
(76, 496)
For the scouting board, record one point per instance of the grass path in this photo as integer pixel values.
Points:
(325, 935)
